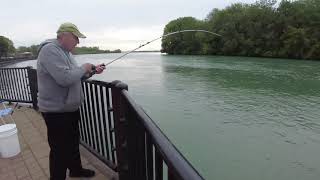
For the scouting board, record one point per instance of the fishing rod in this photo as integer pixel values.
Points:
(165, 35)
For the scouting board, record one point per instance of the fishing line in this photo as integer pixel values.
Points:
(165, 35)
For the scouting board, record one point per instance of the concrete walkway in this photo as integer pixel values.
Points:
(32, 162)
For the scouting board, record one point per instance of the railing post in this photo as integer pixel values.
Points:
(33, 84)
(130, 137)
(120, 126)
(136, 146)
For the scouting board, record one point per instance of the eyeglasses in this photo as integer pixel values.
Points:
(75, 38)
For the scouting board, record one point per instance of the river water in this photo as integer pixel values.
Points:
(232, 117)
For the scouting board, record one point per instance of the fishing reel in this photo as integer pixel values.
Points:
(94, 70)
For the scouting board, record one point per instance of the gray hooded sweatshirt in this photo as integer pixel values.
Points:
(59, 79)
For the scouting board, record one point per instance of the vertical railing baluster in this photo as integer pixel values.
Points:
(26, 85)
(7, 77)
(80, 123)
(158, 165)
(89, 125)
(17, 80)
(13, 80)
(9, 95)
(22, 84)
(3, 81)
(2, 85)
(104, 122)
(19, 87)
(93, 122)
(149, 155)
(6, 89)
(85, 113)
(97, 119)
(10, 84)
(110, 122)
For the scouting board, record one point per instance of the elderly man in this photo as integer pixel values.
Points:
(59, 98)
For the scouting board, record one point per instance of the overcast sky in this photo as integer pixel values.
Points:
(117, 24)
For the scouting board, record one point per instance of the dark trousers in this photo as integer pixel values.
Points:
(63, 139)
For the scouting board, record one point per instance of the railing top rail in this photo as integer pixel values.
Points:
(174, 159)
(106, 84)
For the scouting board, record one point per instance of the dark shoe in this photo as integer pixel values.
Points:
(82, 173)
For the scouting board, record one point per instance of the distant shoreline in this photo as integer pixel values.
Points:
(14, 61)
(118, 52)
(144, 51)
(6, 62)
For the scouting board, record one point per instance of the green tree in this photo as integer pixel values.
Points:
(185, 43)
(22, 49)
(296, 42)
(6, 46)
(289, 30)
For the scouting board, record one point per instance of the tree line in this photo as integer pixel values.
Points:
(93, 50)
(7, 49)
(289, 29)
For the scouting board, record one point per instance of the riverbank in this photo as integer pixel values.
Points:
(7, 62)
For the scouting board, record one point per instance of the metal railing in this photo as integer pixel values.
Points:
(142, 148)
(19, 85)
(97, 123)
(113, 127)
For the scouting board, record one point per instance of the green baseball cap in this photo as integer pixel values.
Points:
(69, 27)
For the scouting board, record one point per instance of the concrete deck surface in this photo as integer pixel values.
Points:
(32, 163)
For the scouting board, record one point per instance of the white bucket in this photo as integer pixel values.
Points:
(9, 142)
